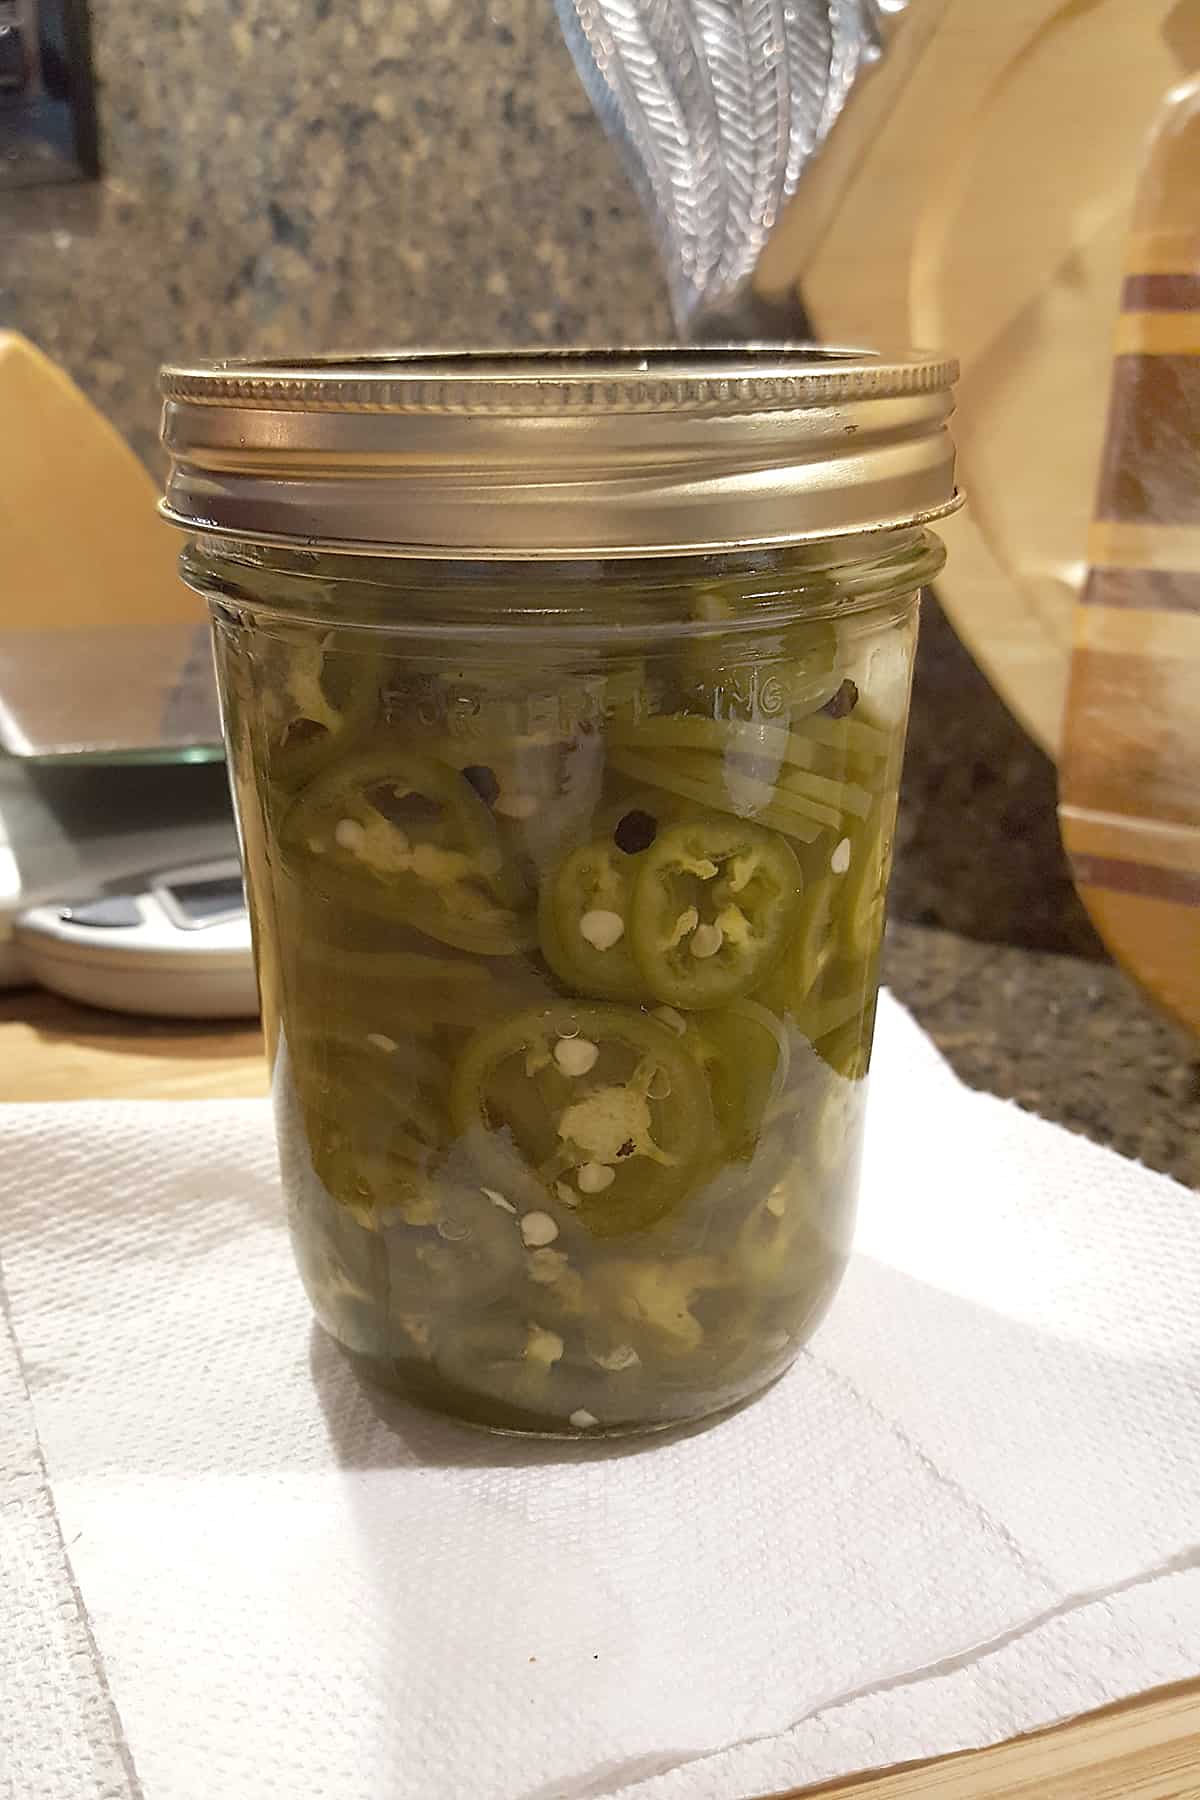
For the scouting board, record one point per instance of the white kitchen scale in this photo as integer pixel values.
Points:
(120, 886)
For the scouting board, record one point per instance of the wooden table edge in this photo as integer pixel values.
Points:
(1145, 1747)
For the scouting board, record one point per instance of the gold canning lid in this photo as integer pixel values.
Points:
(559, 453)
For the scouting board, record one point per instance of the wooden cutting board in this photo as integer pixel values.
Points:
(1129, 768)
(976, 195)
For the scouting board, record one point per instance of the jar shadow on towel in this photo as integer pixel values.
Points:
(1056, 1364)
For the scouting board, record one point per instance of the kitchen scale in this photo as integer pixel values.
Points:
(119, 880)
(120, 885)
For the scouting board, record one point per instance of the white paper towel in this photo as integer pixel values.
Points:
(970, 1509)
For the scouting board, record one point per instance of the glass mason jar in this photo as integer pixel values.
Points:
(565, 699)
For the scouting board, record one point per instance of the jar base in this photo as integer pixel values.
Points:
(421, 1386)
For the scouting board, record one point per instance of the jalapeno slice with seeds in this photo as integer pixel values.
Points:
(316, 698)
(605, 1105)
(712, 910)
(583, 922)
(404, 836)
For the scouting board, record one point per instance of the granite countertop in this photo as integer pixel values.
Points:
(1064, 1036)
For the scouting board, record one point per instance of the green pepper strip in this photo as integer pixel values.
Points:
(846, 1050)
(750, 786)
(831, 1014)
(753, 742)
(844, 796)
(821, 793)
(861, 900)
(844, 734)
(713, 793)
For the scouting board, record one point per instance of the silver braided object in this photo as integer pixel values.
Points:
(718, 105)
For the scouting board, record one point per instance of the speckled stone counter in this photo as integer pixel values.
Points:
(281, 179)
(289, 176)
(977, 843)
(1065, 1037)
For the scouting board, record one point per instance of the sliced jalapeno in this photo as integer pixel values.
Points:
(374, 1118)
(713, 906)
(474, 1256)
(583, 922)
(778, 1238)
(661, 1297)
(408, 838)
(314, 702)
(813, 943)
(604, 1105)
(745, 1054)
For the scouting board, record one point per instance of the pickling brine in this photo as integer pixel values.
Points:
(576, 961)
(568, 879)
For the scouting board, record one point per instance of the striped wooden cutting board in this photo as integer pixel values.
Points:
(1130, 761)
